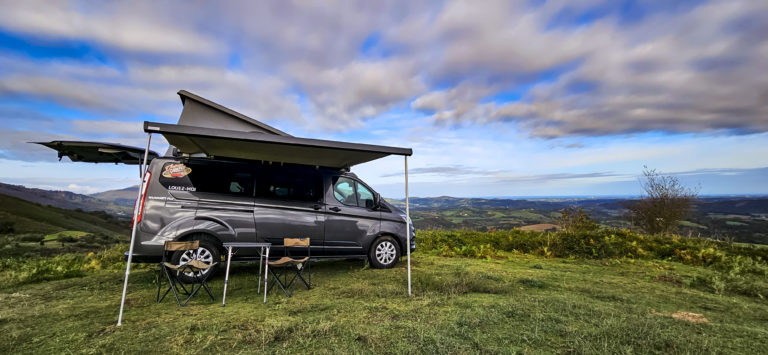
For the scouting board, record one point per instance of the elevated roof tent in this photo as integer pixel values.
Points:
(201, 112)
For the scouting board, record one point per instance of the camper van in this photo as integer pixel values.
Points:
(219, 201)
(229, 178)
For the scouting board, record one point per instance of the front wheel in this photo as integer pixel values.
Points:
(384, 253)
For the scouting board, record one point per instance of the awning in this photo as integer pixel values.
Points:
(270, 147)
(96, 152)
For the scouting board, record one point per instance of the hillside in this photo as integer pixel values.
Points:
(123, 197)
(66, 200)
(30, 217)
(30, 229)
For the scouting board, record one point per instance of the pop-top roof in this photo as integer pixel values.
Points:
(201, 112)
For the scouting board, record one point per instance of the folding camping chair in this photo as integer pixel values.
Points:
(290, 265)
(172, 272)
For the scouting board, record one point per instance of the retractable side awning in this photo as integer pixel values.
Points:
(96, 152)
(269, 147)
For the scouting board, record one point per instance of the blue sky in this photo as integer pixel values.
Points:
(497, 98)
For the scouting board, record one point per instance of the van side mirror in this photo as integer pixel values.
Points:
(376, 200)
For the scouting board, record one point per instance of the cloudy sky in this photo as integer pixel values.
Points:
(507, 98)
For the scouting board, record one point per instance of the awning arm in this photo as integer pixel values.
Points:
(407, 225)
(136, 208)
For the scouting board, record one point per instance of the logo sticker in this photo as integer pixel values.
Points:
(176, 171)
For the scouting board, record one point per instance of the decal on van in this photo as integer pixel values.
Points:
(182, 188)
(176, 171)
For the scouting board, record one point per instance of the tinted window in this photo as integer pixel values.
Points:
(208, 176)
(344, 191)
(352, 193)
(364, 196)
(289, 184)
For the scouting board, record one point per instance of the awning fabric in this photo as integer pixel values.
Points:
(97, 152)
(270, 147)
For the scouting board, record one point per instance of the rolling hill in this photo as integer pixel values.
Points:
(31, 217)
(121, 197)
(67, 200)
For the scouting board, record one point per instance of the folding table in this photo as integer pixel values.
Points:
(262, 258)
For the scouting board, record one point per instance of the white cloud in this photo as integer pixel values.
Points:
(133, 26)
(672, 72)
(343, 97)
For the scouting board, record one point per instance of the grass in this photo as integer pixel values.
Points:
(72, 234)
(518, 303)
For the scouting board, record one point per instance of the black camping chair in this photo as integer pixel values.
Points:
(196, 268)
(288, 265)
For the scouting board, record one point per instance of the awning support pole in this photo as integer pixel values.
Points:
(136, 208)
(407, 225)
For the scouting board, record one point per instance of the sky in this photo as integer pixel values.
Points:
(496, 98)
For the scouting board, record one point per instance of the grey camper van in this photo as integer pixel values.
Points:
(219, 201)
(230, 178)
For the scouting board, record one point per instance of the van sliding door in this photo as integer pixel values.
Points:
(289, 205)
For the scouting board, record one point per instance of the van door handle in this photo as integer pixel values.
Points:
(335, 209)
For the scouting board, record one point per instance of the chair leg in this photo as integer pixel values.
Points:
(171, 287)
(298, 273)
(204, 284)
(200, 283)
(276, 279)
(159, 284)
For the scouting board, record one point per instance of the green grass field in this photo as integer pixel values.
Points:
(519, 303)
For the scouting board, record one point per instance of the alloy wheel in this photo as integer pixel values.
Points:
(385, 252)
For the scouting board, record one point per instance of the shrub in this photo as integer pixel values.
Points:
(7, 227)
(34, 238)
(599, 244)
(18, 271)
(574, 219)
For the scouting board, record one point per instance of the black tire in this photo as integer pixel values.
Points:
(209, 251)
(384, 253)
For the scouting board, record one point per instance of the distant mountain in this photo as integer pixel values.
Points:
(65, 199)
(122, 197)
(739, 218)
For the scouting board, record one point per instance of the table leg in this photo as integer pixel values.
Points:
(266, 274)
(258, 280)
(226, 277)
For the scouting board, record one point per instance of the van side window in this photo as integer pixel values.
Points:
(352, 193)
(289, 184)
(208, 176)
(364, 196)
(344, 191)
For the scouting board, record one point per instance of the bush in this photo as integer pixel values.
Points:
(599, 244)
(19, 271)
(34, 238)
(573, 219)
(7, 227)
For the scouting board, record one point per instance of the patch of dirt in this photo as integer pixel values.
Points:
(685, 316)
(690, 317)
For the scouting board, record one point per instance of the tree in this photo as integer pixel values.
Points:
(666, 202)
(574, 219)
